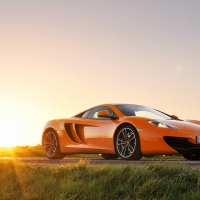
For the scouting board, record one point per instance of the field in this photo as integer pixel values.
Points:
(19, 181)
(22, 151)
(83, 181)
(37, 151)
(31, 151)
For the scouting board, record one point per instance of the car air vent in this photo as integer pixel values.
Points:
(69, 132)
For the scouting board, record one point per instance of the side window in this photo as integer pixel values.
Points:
(94, 112)
(86, 114)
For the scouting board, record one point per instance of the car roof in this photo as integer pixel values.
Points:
(127, 104)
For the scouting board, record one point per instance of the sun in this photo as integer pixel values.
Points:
(11, 124)
(17, 122)
(10, 131)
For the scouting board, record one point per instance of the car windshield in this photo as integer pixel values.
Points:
(142, 111)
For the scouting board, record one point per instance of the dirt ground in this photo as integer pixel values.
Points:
(41, 161)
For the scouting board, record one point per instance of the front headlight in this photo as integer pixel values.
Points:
(163, 125)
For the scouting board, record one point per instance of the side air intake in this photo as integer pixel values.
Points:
(182, 145)
(72, 131)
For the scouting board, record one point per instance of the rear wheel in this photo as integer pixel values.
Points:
(51, 145)
(192, 156)
(110, 156)
(127, 143)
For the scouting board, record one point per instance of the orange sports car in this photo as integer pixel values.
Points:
(122, 130)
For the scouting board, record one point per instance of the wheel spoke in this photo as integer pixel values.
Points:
(48, 152)
(47, 145)
(49, 137)
(46, 140)
(131, 137)
(120, 142)
(54, 139)
(53, 149)
(124, 134)
(124, 149)
(130, 148)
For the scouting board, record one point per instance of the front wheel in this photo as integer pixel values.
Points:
(127, 143)
(51, 145)
(192, 156)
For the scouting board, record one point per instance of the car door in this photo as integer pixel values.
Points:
(99, 131)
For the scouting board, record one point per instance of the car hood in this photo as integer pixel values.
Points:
(183, 125)
(193, 121)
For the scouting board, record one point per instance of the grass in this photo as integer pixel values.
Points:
(34, 151)
(85, 182)
(38, 151)
(22, 151)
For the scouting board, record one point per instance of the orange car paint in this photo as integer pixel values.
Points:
(97, 136)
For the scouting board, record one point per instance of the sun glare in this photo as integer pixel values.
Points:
(16, 119)
(10, 132)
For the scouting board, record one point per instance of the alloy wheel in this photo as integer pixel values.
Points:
(50, 144)
(126, 142)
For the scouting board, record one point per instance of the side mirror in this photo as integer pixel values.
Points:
(174, 116)
(103, 113)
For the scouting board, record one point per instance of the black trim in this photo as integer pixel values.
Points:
(182, 145)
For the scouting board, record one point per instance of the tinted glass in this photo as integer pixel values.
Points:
(141, 111)
(86, 114)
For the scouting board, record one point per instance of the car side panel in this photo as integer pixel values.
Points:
(100, 133)
(77, 135)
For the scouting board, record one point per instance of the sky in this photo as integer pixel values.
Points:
(58, 58)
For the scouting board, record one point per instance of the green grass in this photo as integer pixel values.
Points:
(83, 181)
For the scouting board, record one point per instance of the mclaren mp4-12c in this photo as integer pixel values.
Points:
(127, 131)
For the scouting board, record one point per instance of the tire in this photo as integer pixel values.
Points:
(51, 145)
(192, 156)
(127, 143)
(110, 156)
